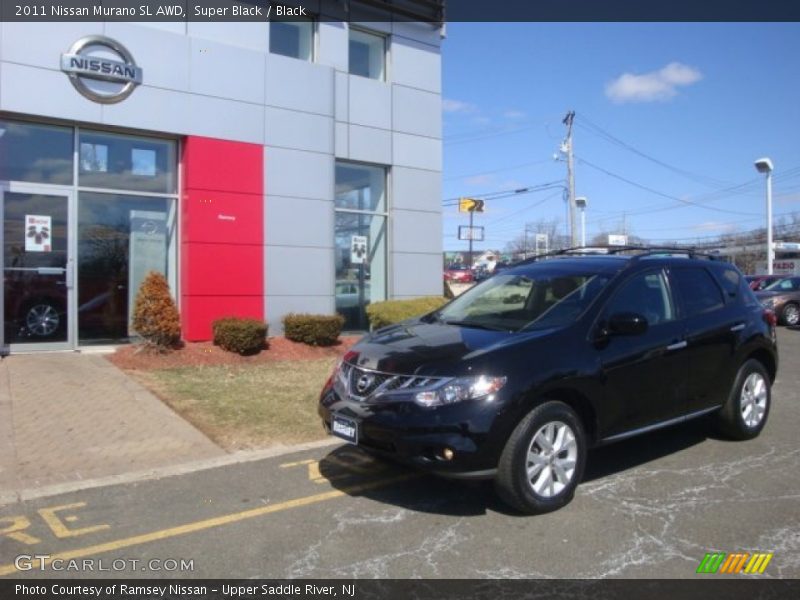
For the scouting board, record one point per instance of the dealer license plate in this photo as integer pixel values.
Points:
(345, 428)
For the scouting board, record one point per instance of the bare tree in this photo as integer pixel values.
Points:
(524, 244)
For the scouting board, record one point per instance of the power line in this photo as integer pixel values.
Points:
(585, 123)
(499, 195)
(658, 193)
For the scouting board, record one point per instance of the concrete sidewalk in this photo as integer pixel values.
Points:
(67, 417)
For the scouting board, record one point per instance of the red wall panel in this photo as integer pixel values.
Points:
(222, 217)
(222, 212)
(223, 166)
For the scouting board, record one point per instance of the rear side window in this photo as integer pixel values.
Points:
(730, 279)
(698, 290)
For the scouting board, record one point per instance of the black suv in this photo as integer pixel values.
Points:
(516, 378)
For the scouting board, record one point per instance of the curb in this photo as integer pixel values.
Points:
(23, 495)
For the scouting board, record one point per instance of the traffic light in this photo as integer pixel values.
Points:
(470, 205)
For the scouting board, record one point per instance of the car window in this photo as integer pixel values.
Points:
(646, 294)
(730, 280)
(698, 290)
(784, 285)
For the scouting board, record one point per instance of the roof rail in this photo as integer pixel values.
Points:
(643, 251)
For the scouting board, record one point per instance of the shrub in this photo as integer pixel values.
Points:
(243, 336)
(155, 316)
(315, 330)
(390, 312)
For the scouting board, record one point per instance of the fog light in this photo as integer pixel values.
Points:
(448, 454)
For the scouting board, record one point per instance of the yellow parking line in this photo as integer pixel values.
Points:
(162, 534)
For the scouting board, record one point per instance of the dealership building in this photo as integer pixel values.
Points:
(263, 167)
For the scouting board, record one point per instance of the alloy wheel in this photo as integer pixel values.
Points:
(42, 320)
(791, 314)
(551, 459)
(753, 403)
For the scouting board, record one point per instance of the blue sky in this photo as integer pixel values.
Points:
(706, 99)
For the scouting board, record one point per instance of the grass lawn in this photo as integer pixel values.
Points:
(241, 407)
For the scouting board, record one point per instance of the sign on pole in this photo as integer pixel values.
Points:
(358, 249)
(617, 240)
(470, 233)
(470, 205)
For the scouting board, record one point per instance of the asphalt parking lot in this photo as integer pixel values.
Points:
(649, 507)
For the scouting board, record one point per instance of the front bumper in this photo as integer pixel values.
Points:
(420, 436)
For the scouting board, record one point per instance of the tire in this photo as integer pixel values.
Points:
(544, 490)
(745, 413)
(790, 315)
(42, 319)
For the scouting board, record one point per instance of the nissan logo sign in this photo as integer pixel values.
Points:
(96, 75)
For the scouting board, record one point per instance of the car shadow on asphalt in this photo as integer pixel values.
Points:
(359, 474)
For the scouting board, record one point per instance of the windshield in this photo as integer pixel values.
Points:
(513, 301)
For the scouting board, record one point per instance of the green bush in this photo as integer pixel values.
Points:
(390, 312)
(243, 336)
(315, 330)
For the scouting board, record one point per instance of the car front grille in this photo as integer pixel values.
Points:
(365, 384)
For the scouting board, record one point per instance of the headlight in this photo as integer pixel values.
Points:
(461, 388)
(768, 302)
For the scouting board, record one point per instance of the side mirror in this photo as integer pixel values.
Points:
(627, 323)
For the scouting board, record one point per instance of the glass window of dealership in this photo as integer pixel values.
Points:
(86, 214)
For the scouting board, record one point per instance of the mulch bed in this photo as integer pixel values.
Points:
(131, 358)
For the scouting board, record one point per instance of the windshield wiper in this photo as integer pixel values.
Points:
(475, 325)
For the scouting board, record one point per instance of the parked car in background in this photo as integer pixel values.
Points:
(459, 274)
(516, 378)
(783, 298)
(759, 282)
(480, 272)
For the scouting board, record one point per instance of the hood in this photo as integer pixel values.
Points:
(417, 347)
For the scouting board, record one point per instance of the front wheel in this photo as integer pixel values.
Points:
(745, 413)
(543, 460)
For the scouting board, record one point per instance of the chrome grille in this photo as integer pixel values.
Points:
(363, 384)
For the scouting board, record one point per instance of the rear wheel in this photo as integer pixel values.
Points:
(790, 315)
(745, 413)
(543, 460)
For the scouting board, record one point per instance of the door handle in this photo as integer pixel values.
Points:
(677, 345)
(738, 327)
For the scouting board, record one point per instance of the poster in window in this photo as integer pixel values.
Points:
(38, 233)
(358, 249)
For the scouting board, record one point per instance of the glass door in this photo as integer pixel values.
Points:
(38, 267)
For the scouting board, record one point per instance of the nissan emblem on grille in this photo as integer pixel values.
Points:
(364, 382)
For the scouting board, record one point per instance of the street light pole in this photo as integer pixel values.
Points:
(581, 204)
(764, 165)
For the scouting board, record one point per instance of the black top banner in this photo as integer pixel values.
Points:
(431, 589)
(432, 11)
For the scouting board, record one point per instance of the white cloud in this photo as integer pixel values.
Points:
(514, 114)
(714, 226)
(457, 106)
(478, 180)
(657, 85)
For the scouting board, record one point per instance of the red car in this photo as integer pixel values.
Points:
(459, 274)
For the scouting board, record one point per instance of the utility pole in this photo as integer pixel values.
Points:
(570, 178)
